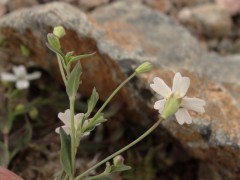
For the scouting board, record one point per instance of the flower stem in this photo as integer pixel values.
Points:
(61, 69)
(121, 150)
(72, 100)
(111, 96)
(5, 139)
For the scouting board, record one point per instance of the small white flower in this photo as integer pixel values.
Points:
(20, 76)
(177, 94)
(66, 119)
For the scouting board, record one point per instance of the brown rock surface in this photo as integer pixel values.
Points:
(124, 35)
(88, 5)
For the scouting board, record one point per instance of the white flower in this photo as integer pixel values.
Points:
(65, 118)
(177, 95)
(20, 76)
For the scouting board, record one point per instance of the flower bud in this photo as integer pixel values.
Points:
(33, 113)
(118, 160)
(171, 107)
(24, 50)
(59, 31)
(143, 68)
(20, 107)
(53, 41)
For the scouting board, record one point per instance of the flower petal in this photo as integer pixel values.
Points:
(65, 117)
(34, 75)
(183, 116)
(184, 86)
(22, 84)
(8, 77)
(159, 105)
(20, 71)
(180, 85)
(160, 87)
(194, 104)
(65, 128)
(176, 82)
(78, 119)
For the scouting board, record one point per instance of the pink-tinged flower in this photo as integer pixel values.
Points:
(20, 76)
(65, 118)
(174, 100)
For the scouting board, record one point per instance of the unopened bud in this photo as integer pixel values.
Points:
(118, 160)
(171, 107)
(20, 107)
(33, 113)
(24, 50)
(59, 31)
(53, 40)
(143, 68)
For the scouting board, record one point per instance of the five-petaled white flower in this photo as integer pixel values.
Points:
(20, 76)
(65, 118)
(177, 96)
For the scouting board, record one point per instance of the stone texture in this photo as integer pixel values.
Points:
(161, 5)
(18, 4)
(123, 35)
(233, 6)
(209, 19)
(88, 5)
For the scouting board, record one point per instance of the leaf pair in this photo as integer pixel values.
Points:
(73, 81)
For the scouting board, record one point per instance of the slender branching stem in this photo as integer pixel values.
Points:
(73, 148)
(61, 69)
(111, 96)
(5, 140)
(121, 150)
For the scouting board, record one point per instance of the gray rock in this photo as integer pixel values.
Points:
(209, 19)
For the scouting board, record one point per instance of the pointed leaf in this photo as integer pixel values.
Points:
(79, 57)
(68, 56)
(121, 168)
(74, 80)
(65, 153)
(92, 102)
(55, 50)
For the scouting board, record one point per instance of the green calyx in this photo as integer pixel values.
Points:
(171, 107)
(53, 40)
(144, 68)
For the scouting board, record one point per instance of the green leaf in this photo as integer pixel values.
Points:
(92, 102)
(79, 57)
(108, 168)
(65, 153)
(55, 50)
(74, 80)
(68, 56)
(92, 125)
(120, 168)
(24, 50)
(99, 119)
(103, 178)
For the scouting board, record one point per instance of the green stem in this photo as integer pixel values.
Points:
(61, 69)
(121, 150)
(72, 100)
(97, 176)
(111, 96)
(5, 140)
